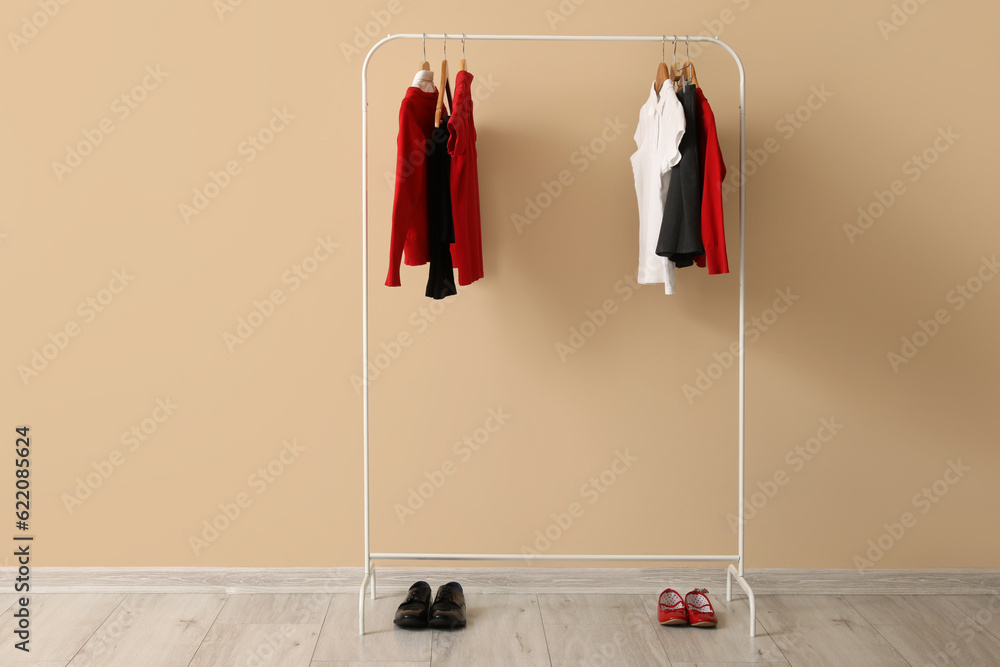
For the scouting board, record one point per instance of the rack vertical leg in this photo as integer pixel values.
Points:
(361, 603)
(732, 573)
(373, 581)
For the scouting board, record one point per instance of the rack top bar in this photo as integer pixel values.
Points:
(551, 38)
(559, 38)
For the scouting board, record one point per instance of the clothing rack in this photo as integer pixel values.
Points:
(736, 562)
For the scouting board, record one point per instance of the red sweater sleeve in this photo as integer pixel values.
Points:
(713, 228)
(409, 204)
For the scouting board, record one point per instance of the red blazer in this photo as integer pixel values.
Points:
(409, 204)
(713, 229)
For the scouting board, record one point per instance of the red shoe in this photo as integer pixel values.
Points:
(672, 610)
(699, 608)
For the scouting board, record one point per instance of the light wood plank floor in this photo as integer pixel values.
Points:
(320, 630)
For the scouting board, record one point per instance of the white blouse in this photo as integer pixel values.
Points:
(657, 137)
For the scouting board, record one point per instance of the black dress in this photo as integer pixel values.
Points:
(680, 230)
(440, 224)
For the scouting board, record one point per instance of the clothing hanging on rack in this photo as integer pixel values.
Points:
(713, 229)
(409, 204)
(467, 250)
(440, 223)
(657, 138)
(436, 211)
(680, 229)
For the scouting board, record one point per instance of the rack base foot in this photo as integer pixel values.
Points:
(733, 573)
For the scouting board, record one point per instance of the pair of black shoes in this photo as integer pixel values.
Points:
(447, 612)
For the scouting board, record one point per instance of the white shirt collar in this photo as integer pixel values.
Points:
(656, 102)
(424, 80)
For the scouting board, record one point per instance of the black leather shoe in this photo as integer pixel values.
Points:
(415, 609)
(448, 610)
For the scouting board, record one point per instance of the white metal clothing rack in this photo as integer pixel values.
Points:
(736, 561)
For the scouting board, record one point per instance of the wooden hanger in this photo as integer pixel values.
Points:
(438, 111)
(688, 75)
(685, 74)
(662, 75)
(662, 71)
(692, 76)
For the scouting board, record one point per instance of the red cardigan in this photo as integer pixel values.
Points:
(467, 250)
(713, 229)
(409, 204)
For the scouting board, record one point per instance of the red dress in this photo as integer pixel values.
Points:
(467, 250)
(409, 204)
(713, 229)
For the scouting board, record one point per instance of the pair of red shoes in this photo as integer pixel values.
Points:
(694, 609)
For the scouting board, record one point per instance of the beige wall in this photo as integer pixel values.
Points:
(160, 333)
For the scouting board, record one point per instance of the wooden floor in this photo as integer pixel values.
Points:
(320, 630)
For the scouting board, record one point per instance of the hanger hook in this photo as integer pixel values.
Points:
(675, 48)
(463, 46)
(687, 48)
(446, 46)
(663, 50)
(425, 45)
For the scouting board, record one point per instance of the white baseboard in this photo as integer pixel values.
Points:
(506, 580)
